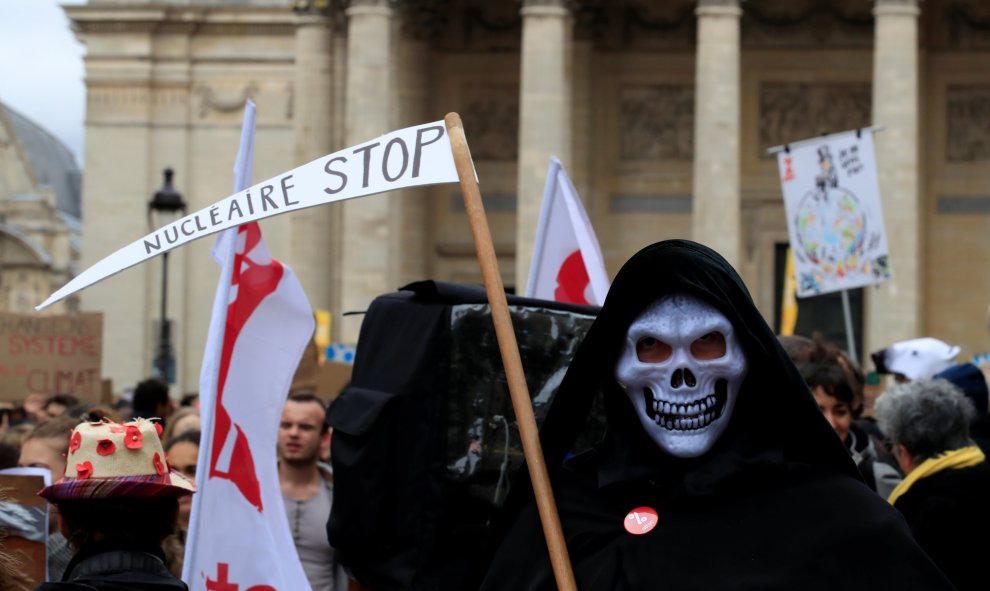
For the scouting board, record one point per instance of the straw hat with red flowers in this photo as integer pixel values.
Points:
(117, 460)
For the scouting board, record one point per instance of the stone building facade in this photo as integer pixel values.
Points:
(39, 215)
(661, 111)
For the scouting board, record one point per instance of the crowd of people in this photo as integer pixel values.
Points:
(44, 431)
(37, 433)
(752, 452)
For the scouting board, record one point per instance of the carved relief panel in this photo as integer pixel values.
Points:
(493, 110)
(967, 111)
(465, 25)
(807, 23)
(223, 98)
(656, 122)
(791, 111)
(637, 24)
(958, 24)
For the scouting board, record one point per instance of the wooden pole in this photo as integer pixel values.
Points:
(518, 390)
(850, 337)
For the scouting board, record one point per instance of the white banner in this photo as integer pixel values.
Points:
(834, 215)
(567, 260)
(410, 157)
(238, 533)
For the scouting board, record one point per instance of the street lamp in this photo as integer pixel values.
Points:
(168, 206)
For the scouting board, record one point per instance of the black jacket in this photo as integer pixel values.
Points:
(776, 504)
(949, 516)
(115, 569)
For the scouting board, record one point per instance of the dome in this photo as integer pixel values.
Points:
(52, 162)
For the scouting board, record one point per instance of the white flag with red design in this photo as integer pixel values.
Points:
(567, 261)
(239, 537)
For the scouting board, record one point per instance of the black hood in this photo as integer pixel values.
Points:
(775, 420)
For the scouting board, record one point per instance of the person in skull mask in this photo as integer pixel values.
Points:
(717, 470)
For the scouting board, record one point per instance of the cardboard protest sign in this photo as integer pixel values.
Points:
(834, 215)
(331, 377)
(309, 364)
(324, 378)
(24, 521)
(410, 157)
(51, 354)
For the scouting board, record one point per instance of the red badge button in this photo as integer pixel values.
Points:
(640, 520)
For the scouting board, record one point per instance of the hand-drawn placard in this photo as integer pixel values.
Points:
(834, 216)
(409, 157)
(51, 354)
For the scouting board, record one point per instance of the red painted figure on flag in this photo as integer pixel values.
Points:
(252, 281)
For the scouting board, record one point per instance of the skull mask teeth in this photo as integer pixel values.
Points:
(681, 368)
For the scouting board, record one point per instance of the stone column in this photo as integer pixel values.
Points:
(410, 234)
(312, 252)
(368, 110)
(894, 309)
(715, 218)
(544, 115)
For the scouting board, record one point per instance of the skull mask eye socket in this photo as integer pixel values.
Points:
(708, 347)
(651, 350)
(705, 348)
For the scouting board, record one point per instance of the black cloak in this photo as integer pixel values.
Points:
(776, 503)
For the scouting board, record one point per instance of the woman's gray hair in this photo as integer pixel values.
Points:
(928, 417)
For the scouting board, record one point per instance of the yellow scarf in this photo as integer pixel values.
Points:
(963, 457)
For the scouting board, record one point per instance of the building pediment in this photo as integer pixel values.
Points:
(17, 249)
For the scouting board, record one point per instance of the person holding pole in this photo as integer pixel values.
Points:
(717, 470)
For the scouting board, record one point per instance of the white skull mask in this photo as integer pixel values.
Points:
(681, 368)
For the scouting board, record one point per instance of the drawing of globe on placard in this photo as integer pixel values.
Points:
(831, 231)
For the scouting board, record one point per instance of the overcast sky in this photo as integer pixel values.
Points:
(41, 69)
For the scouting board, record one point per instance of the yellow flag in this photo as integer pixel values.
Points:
(789, 307)
(322, 335)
